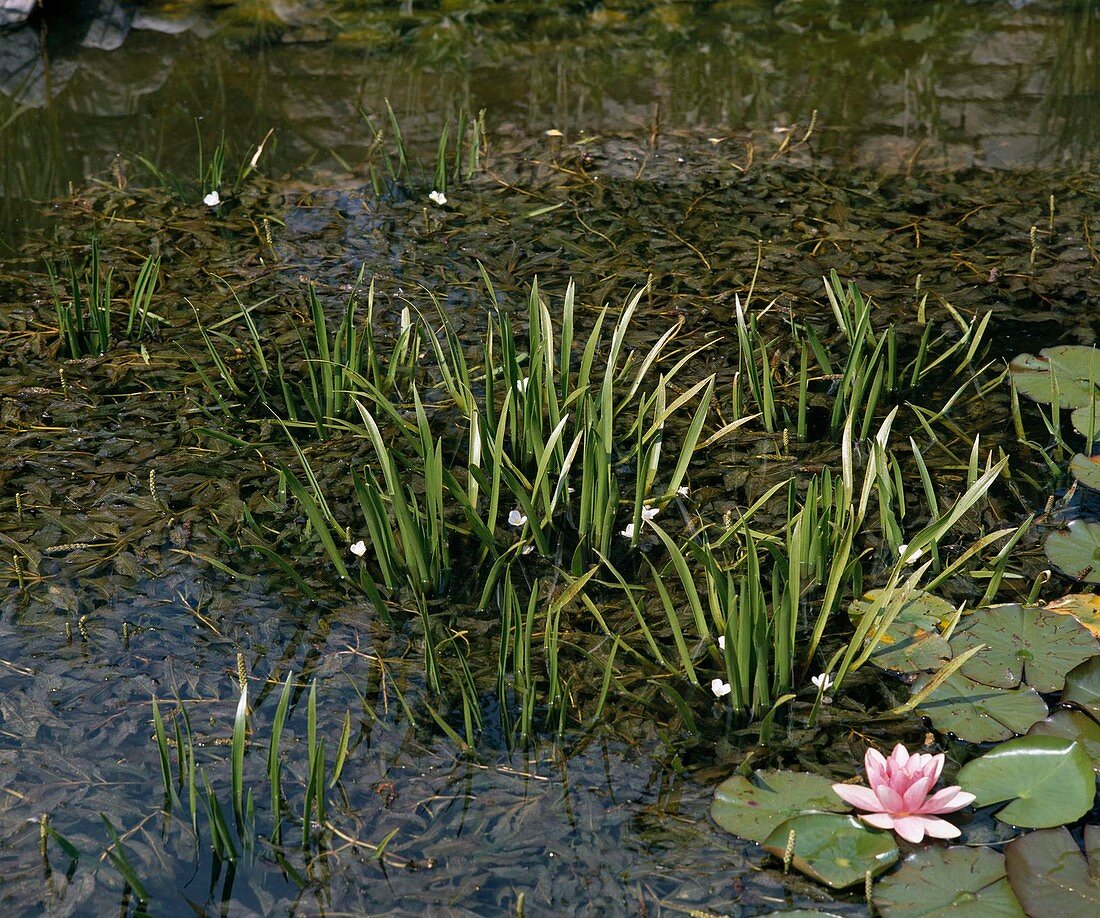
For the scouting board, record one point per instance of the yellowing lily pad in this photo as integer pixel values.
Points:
(1085, 607)
(1072, 725)
(1047, 780)
(835, 850)
(1024, 644)
(955, 881)
(1070, 373)
(1086, 469)
(1075, 550)
(752, 809)
(979, 713)
(1083, 687)
(1049, 874)
(912, 643)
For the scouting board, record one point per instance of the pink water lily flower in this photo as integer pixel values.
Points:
(898, 797)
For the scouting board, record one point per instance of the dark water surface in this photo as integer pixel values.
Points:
(945, 147)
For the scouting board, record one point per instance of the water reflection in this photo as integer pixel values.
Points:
(957, 83)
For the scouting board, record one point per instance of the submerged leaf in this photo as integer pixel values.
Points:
(838, 851)
(752, 809)
(1047, 780)
(1049, 874)
(948, 881)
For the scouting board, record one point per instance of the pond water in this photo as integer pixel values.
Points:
(152, 548)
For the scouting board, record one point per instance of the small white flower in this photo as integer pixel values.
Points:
(517, 519)
(824, 682)
(521, 384)
(908, 557)
(720, 688)
(406, 319)
(721, 642)
(527, 549)
(359, 549)
(682, 491)
(629, 531)
(649, 513)
(438, 197)
(212, 200)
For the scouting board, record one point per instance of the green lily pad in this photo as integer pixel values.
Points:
(1048, 780)
(1086, 420)
(948, 881)
(1024, 644)
(752, 809)
(1086, 469)
(978, 713)
(1083, 687)
(835, 850)
(1075, 550)
(1085, 607)
(1049, 874)
(1072, 725)
(1071, 370)
(912, 643)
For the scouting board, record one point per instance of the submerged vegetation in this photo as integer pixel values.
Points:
(373, 536)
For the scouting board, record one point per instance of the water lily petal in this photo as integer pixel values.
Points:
(900, 756)
(939, 828)
(914, 797)
(911, 828)
(874, 763)
(861, 797)
(947, 800)
(890, 800)
(878, 820)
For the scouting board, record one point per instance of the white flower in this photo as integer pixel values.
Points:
(359, 549)
(406, 319)
(649, 513)
(721, 642)
(824, 682)
(720, 688)
(521, 384)
(908, 557)
(682, 491)
(438, 197)
(212, 200)
(527, 549)
(629, 531)
(517, 519)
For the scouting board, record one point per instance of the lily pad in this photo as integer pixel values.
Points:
(1024, 644)
(1086, 469)
(912, 643)
(1071, 371)
(1085, 607)
(752, 809)
(1075, 550)
(1072, 725)
(978, 713)
(1083, 687)
(1047, 779)
(948, 881)
(1086, 420)
(835, 850)
(1049, 874)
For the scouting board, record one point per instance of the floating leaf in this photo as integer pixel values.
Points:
(1083, 687)
(1024, 644)
(1085, 607)
(1075, 550)
(1049, 874)
(1072, 725)
(1086, 469)
(912, 643)
(1086, 420)
(752, 809)
(835, 850)
(1071, 370)
(948, 881)
(1048, 780)
(978, 713)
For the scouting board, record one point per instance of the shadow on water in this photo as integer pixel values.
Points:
(950, 154)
